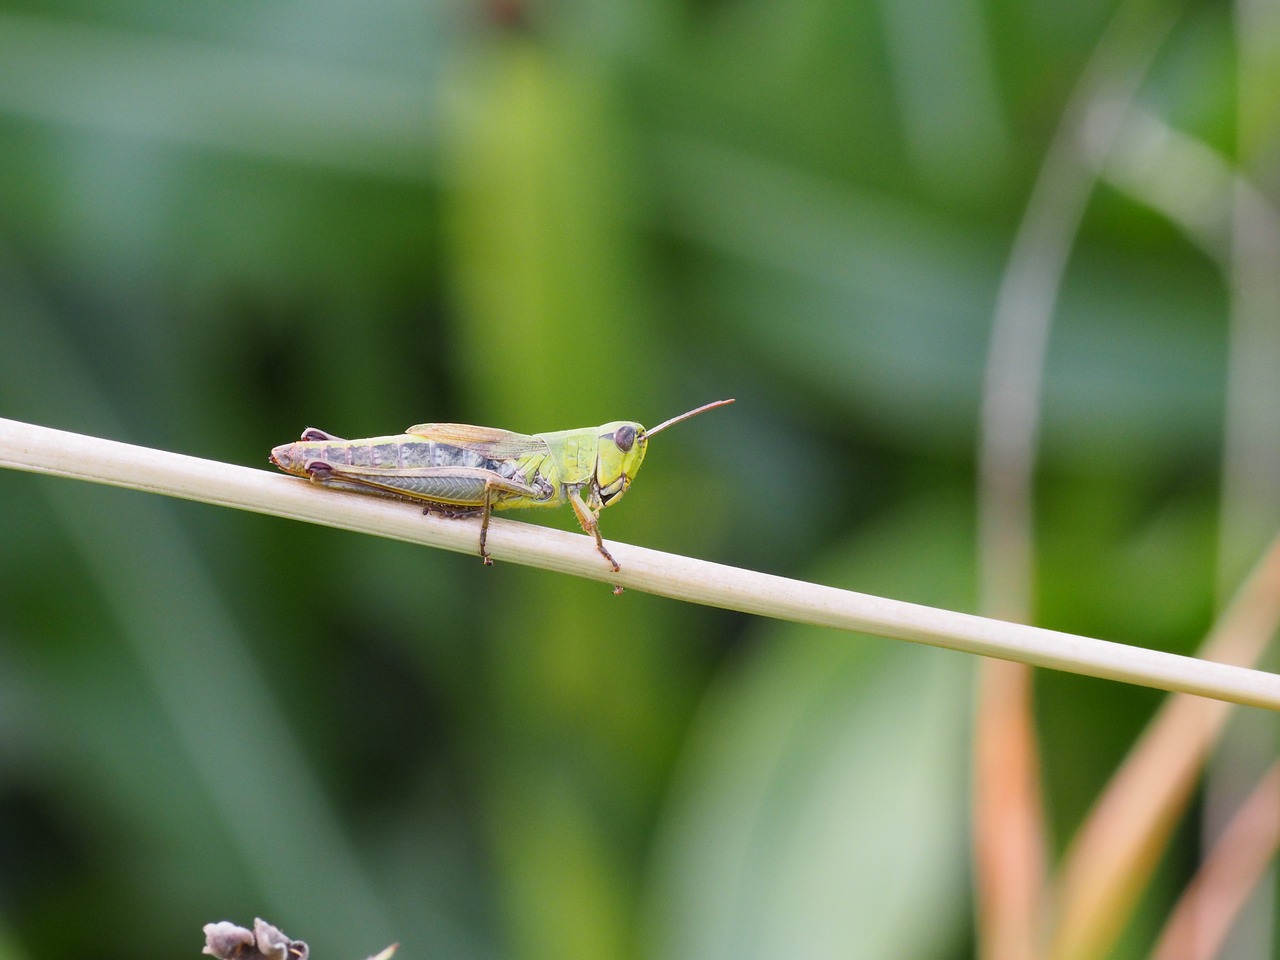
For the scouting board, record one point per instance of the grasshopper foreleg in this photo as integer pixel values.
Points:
(591, 524)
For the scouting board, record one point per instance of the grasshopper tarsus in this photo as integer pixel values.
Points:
(449, 511)
(594, 530)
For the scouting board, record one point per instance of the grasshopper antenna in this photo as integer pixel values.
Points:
(685, 416)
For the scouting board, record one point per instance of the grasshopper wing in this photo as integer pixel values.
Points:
(489, 442)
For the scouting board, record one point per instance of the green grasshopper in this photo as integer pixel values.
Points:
(458, 470)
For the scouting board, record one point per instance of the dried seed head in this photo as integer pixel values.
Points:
(226, 941)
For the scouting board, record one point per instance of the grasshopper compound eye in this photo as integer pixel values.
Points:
(624, 438)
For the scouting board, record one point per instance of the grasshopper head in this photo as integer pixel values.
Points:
(621, 451)
(618, 457)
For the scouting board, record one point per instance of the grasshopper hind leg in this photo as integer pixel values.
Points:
(484, 524)
(477, 489)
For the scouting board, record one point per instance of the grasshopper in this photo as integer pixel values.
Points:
(458, 470)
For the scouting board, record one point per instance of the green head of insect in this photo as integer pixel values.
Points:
(621, 451)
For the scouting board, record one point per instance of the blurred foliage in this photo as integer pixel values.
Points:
(224, 222)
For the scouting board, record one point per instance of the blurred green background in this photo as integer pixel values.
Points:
(220, 223)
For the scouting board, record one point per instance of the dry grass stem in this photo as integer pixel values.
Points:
(42, 450)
